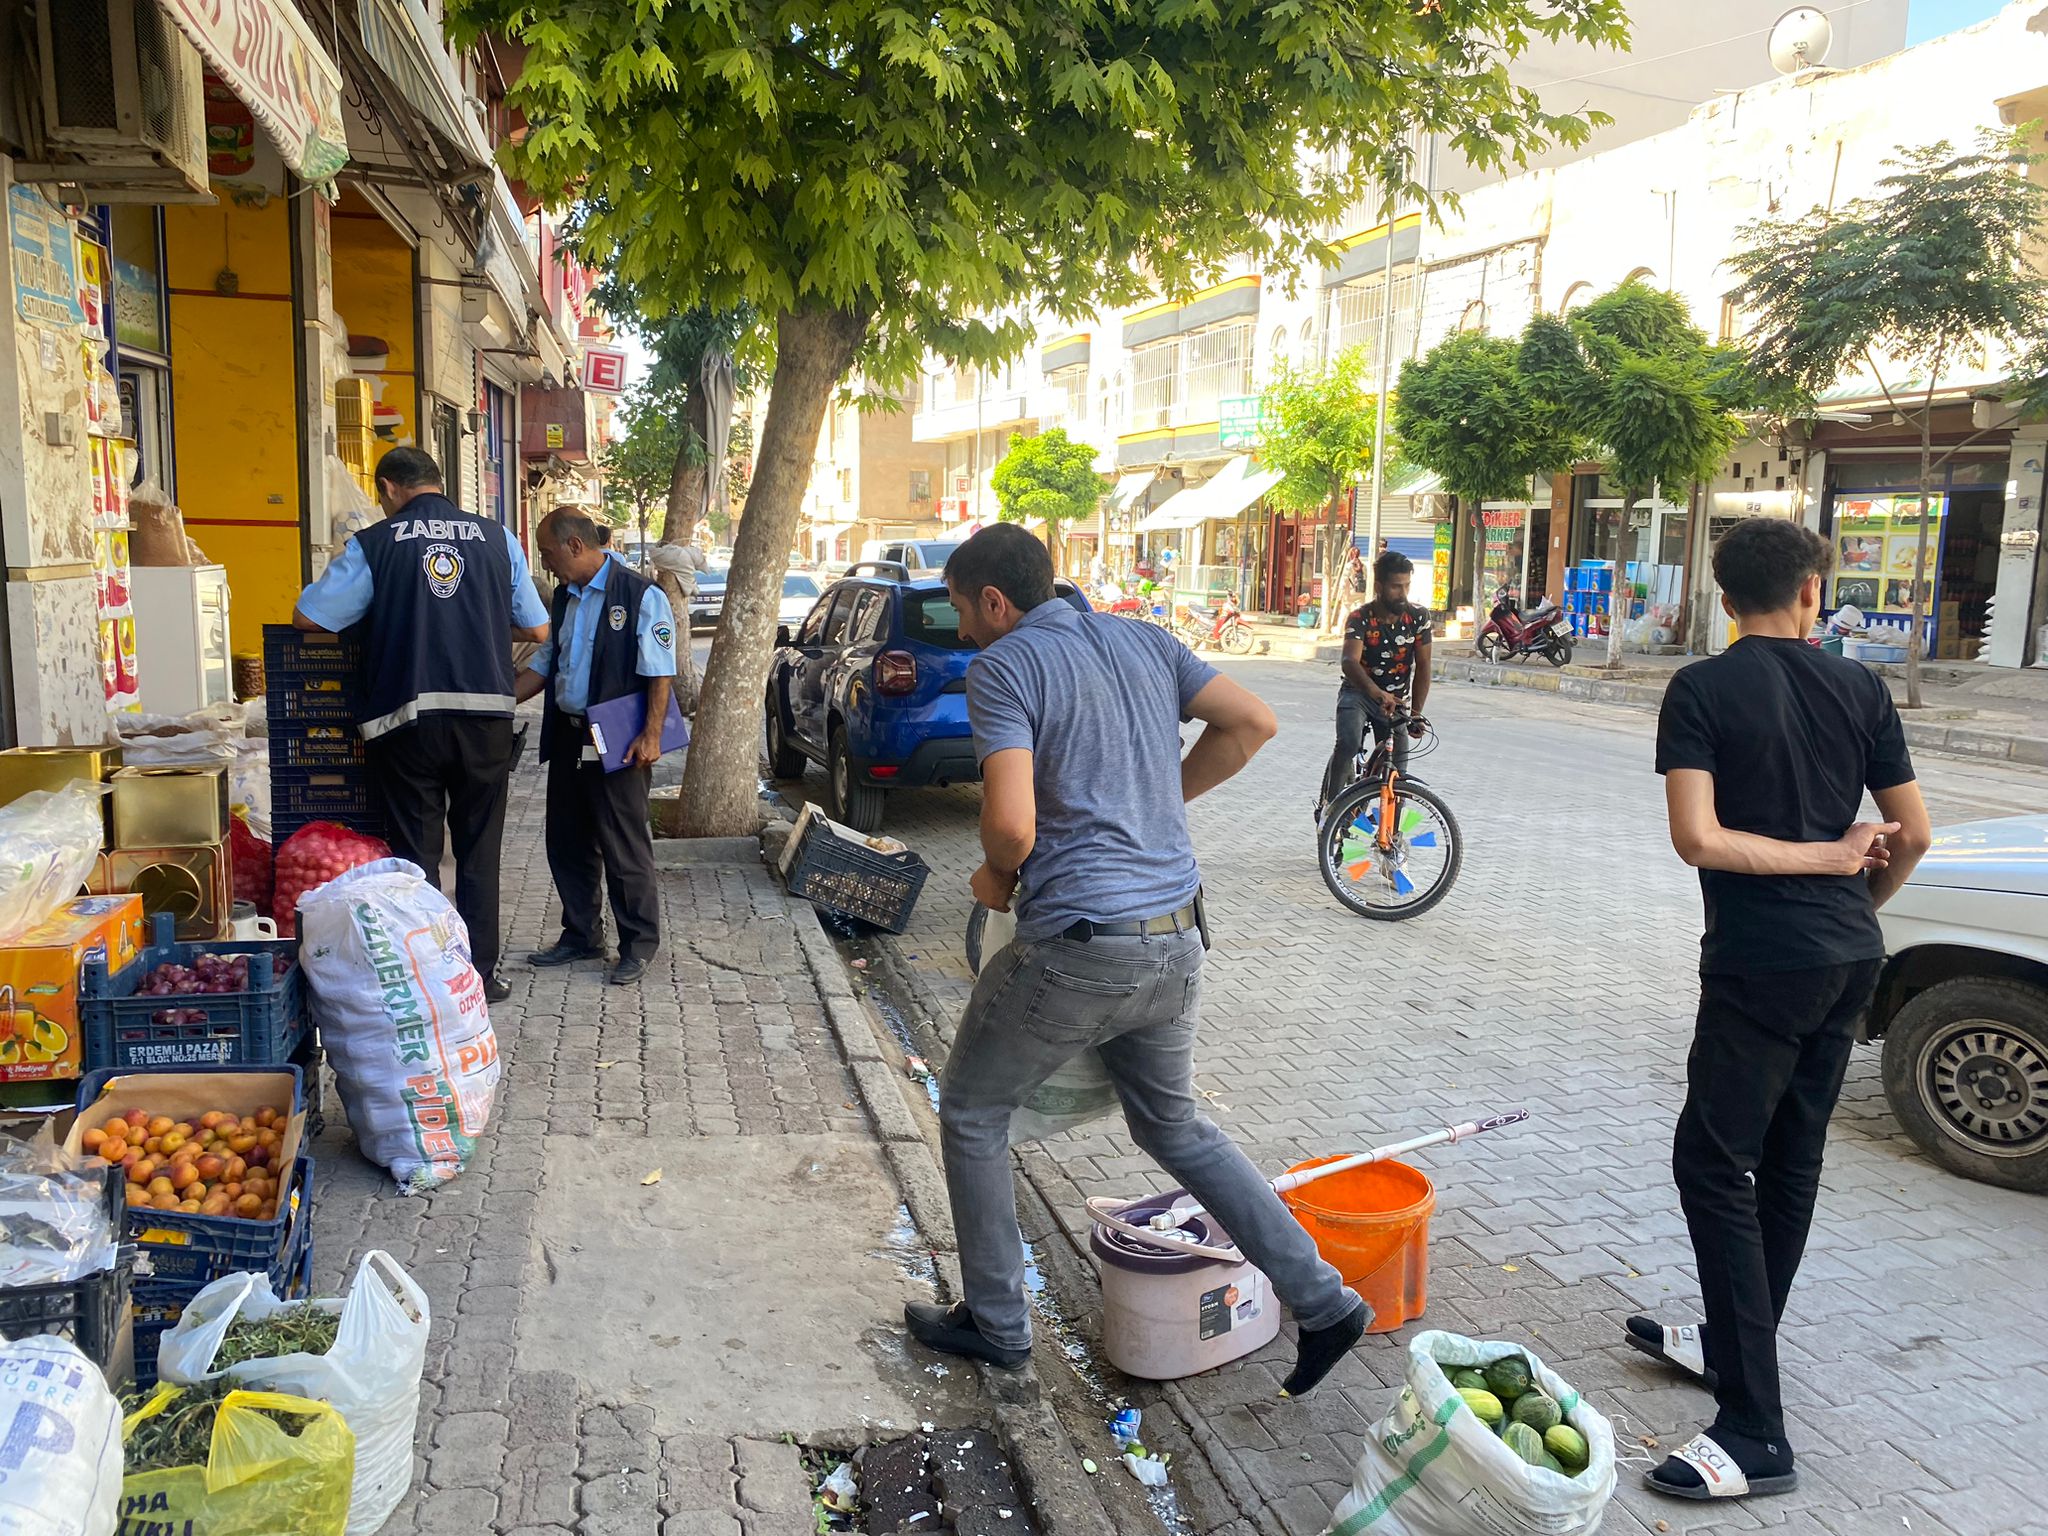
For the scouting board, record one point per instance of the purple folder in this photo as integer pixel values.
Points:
(617, 723)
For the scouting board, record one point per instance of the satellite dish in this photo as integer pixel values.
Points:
(1800, 40)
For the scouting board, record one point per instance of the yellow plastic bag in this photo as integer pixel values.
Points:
(258, 1480)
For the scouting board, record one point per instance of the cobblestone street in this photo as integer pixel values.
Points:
(1557, 976)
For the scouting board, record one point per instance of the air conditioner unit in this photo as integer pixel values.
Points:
(124, 91)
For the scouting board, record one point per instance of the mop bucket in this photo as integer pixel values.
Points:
(1372, 1225)
(1168, 1312)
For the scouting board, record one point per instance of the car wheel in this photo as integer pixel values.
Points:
(785, 759)
(858, 805)
(1966, 1070)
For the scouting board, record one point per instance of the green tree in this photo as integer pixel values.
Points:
(878, 180)
(1050, 477)
(1316, 433)
(640, 463)
(1927, 275)
(1632, 377)
(1467, 413)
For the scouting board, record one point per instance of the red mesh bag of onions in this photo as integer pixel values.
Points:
(314, 855)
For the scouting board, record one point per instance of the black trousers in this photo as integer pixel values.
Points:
(1768, 1055)
(1354, 713)
(598, 838)
(452, 771)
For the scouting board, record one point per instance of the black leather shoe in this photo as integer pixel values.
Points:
(627, 970)
(953, 1331)
(562, 952)
(496, 990)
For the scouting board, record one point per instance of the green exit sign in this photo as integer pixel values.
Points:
(1242, 420)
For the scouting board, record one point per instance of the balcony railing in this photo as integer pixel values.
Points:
(1183, 381)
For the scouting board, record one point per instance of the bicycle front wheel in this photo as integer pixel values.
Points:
(1407, 876)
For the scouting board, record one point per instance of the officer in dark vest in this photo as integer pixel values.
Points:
(445, 594)
(613, 634)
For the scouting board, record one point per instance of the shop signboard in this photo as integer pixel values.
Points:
(45, 263)
(1440, 567)
(1242, 420)
(1877, 541)
(265, 51)
(604, 370)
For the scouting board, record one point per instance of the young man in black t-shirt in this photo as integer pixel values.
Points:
(1766, 752)
(1386, 670)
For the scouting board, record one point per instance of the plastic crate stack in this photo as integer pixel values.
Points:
(180, 1252)
(317, 768)
(89, 1309)
(1589, 597)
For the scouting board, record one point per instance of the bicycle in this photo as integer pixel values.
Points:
(1388, 846)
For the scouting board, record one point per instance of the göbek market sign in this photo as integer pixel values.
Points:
(264, 51)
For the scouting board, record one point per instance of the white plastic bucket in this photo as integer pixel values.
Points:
(1166, 1315)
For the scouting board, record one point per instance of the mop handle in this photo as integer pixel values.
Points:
(1167, 1220)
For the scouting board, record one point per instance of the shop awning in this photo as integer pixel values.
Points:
(1421, 482)
(1129, 489)
(266, 54)
(396, 35)
(1183, 509)
(1237, 487)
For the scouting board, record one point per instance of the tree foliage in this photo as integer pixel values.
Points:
(877, 181)
(1466, 413)
(639, 464)
(1317, 431)
(1051, 477)
(1632, 378)
(1928, 274)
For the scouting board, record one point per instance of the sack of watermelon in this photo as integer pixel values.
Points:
(1484, 1437)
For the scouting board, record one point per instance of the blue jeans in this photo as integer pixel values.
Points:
(1137, 999)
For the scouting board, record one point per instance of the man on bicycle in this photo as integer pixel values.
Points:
(1386, 672)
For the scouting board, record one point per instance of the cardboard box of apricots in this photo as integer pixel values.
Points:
(188, 1097)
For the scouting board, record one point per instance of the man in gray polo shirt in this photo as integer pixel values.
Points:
(1077, 723)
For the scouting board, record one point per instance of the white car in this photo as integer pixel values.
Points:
(1962, 1005)
(799, 596)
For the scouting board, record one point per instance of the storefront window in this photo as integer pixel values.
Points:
(1875, 525)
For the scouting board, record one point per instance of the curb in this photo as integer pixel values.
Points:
(1047, 1464)
(1953, 740)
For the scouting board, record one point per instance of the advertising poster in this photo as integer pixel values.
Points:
(1440, 568)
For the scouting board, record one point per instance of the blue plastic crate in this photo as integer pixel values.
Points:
(194, 1249)
(260, 1027)
(290, 652)
(158, 1304)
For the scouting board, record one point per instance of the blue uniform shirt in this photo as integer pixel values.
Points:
(655, 639)
(343, 593)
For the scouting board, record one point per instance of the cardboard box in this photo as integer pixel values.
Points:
(40, 1036)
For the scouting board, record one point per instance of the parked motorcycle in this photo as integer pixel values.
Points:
(1509, 633)
(1222, 627)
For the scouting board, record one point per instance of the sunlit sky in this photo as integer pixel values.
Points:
(1931, 18)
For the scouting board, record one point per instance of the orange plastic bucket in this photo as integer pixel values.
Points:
(1372, 1224)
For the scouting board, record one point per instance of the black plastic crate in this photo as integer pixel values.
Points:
(87, 1311)
(316, 746)
(851, 878)
(318, 701)
(338, 794)
(291, 652)
(126, 1030)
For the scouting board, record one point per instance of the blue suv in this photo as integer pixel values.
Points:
(873, 686)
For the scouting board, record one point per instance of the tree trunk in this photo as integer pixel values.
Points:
(688, 481)
(1624, 595)
(814, 347)
(1920, 583)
